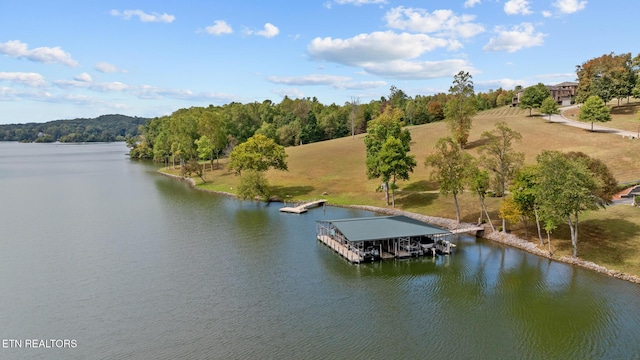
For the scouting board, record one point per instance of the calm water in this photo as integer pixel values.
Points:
(132, 265)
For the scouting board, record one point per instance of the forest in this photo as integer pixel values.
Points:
(105, 128)
(208, 132)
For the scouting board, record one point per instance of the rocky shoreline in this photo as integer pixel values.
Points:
(503, 238)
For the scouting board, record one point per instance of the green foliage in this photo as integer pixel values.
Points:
(461, 108)
(533, 96)
(387, 145)
(498, 157)
(105, 128)
(510, 211)
(253, 186)
(594, 109)
(258, 153)
(564, 188)
(608, 76)
(608, 185)
(549, 106)
(450, 168)
(394, 163)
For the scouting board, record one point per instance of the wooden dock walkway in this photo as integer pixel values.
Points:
(302, 208)
(472, 229)
(341, 249)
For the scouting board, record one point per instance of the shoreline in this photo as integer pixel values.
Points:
(502, 238)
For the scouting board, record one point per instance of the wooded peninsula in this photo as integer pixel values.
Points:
(105, 128)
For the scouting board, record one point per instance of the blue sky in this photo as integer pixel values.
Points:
(68, 59)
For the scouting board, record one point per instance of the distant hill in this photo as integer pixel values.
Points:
(104, 128)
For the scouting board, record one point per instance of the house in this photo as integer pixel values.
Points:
(562, 93)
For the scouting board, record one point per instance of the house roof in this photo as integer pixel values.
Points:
(383, 227)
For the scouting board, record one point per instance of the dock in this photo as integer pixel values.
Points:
(341, 249)
(476, 230)
(303, 208)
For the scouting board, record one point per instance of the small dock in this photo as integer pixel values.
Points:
(303, 208)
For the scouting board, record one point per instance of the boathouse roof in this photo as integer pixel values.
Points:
(383, 227)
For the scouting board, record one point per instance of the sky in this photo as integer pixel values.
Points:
(71, 59)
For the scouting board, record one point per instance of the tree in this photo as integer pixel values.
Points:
(258, 153)
(497, 156)
(205, 151)
(450, 168)
(533, 96)
(603, 195)
(564, 189)
(395, 163)
(460, 109)
(479, 183)
(608, 76)
(387, 125)
(549, 106)
(524, 196)
(510, 211)
(594, 109)
(253, 185)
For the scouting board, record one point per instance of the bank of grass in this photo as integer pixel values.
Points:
(335, 170)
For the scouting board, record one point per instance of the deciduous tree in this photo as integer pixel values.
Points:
(461, 108)
(387, 125)
(450, 166)
(594, 109)
(497, 156)
(564, 189)
(258, 153)
(549, 107)
(533, 96)
(395, 163)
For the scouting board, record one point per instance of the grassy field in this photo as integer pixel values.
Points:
(335, 170)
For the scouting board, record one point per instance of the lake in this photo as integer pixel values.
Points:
(103, 258)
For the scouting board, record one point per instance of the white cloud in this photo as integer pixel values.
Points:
(84, 77)
(309, 79)
(46, 55)
(92, 85)
(570, 6)
(144, 17)
(505, 84)
(519, 37)
(401, 69)
(269, 31)
(335, 81)
(219, 27)
(471, 3)
(374, 47)
(547, 13)
(515, 7)
(24, 78)
(439, 21)
(388, 54)
(105, 67)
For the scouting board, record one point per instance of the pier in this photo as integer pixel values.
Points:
(303, 208)
(383, 237)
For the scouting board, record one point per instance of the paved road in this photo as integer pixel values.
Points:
(601, 129)
(587, 125)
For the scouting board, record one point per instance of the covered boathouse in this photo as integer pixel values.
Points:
(383, 237)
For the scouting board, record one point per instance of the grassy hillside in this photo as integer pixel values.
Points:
(335, 170)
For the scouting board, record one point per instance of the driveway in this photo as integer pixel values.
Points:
(561, 119)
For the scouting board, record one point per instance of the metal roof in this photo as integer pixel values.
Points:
(383, 227)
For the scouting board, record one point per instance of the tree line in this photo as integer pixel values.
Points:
(105, 128)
